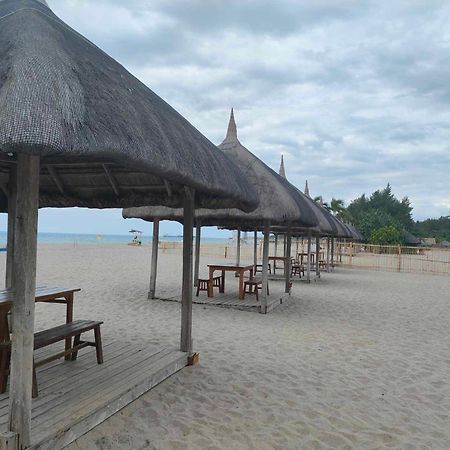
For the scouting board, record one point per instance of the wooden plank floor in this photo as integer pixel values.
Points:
(75, 396)
(231, 299)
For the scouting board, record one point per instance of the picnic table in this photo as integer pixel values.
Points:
(305, 255)
(240, 270)
(275, 259)
(43, 294)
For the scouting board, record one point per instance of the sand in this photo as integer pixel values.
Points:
(358, 360)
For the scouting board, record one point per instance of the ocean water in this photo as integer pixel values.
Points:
(68, 238)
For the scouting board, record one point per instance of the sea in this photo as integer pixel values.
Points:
(69, 238)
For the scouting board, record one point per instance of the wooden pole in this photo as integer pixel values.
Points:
(265, 268)
(154, 266)
(328, 254)
(308, 268)
(287, 262)
(186, 291)
(332, 253)
(24, 285)
(238, 248)
(12, 200)
(399, 262)
(198, 237)
(276, 245)
(255, 250)
(317, 256)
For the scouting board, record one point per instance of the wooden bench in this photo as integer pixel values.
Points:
(253, 285)
(51, 336)
(203, 284)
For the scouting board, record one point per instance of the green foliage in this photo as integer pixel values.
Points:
(381, 209)
(386, 236)
(437, 228)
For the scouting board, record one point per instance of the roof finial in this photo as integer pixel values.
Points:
(307, 189)
(282, 172)
(232, 131)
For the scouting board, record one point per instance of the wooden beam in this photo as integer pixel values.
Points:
(198, 237)
(4, 188)
(154, 266)
(332, 253)
(56, 178)
(308, 259)
(328, 254)
(12, 200)
(25, 249)
(265, 268)
(255, 250)
(168, 188)
(317, 256)
(111, 179)
(186, 291)
(238, 248)
(276, 244)
(287, 261)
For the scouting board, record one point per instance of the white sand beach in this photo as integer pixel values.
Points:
(358, 360)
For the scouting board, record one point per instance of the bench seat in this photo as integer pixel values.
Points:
(52, 336)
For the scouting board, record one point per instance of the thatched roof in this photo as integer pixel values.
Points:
(104, 138)
(279, 202)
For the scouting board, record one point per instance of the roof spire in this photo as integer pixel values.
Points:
(307, 189)
(232, 131)
(282, 172)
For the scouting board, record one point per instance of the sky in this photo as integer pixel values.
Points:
(353, 94)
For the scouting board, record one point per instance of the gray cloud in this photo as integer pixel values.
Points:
(355, 94)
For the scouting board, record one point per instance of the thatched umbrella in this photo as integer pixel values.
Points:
(280, 204)
(77, 129)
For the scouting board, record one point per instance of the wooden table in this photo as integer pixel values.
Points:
(305, 255)
(43, 294)
(229, 268)
(275, 259)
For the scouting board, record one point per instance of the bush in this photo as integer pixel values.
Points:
(386, 236)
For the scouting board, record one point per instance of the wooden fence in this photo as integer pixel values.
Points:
(395, 258)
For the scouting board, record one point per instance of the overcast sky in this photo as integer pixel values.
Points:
(354, 94)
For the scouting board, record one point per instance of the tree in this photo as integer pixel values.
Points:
(386, 236)
(381, 209)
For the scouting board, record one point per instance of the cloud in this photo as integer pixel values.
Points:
(355, 94)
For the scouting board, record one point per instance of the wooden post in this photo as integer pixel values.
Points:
(24, 285)
(317, 256)
(238, 248)
(328, 254)
(350, 249)
(308, 260)
(399, 262)
(276, 245)
(154, 266)
(12, 200)
(186, 291)
(198, 237)
(296, 247)
(265, 268)
(9, 441)
(332, 253)
(255, 250)
(287, 262)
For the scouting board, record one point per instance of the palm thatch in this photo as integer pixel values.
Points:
(104, 138)
(279, 202)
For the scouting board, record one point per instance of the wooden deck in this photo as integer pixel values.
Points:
(75, 396)
(231, 299)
